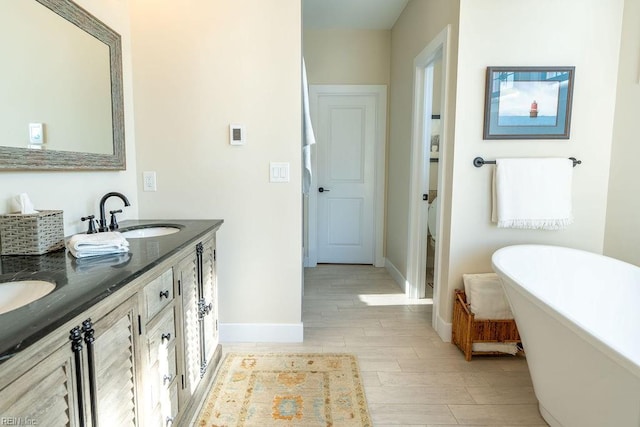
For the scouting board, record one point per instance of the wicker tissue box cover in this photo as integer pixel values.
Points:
(31, 234)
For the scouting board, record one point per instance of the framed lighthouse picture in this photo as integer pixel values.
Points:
(528, 102)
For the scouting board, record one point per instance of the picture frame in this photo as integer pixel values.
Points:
(528, 102)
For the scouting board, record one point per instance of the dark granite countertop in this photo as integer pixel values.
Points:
(81, 283)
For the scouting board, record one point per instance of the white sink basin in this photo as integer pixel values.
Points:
(142, 232)
(19, 293)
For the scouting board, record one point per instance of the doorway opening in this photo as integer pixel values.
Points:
(346, 197)
(428, 167)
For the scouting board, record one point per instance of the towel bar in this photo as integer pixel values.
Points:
(479, 162)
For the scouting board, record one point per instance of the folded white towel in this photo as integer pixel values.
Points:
(533, 193)
(501, 347)
(87, 245)
(97, 252)
(486, 297)
(103, 261)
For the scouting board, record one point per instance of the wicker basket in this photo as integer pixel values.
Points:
(31, 234)
(467, 330)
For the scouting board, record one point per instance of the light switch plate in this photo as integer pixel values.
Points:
(279, 172)
(36, 133)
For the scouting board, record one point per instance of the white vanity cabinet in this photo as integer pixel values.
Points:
(160, 350)
(209, 298)
(88, 378)
(197, 286)
(114, 401)
(47, 391)
(181, 335)
(144, 355)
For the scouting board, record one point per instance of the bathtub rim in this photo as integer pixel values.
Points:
(633, 367)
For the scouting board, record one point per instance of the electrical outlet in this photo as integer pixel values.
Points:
(149, 181)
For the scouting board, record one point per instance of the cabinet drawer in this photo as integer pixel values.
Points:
(161, 337)
(162, 376)
(165, 412)
(158, 293)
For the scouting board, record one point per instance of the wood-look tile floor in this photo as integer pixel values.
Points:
(411, 377)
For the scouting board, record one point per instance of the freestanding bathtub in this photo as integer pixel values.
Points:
(578, 315)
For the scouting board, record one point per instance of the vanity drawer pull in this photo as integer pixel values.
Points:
(166, 336)
(158, 293)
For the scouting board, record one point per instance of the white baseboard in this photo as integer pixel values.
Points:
(396, 275)
(444, 329)
(261, 332)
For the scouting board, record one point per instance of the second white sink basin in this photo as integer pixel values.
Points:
(143, 232)
(20, 293)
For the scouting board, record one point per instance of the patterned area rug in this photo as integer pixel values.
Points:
(286, 390)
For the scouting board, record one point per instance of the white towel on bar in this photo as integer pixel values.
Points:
(87, 245)
(308, 137)
(532, 193)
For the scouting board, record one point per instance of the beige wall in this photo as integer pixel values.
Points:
(347, 56)
(198, 67)
(78, 193)
(622, 239)
(419, 23)
(503, 32)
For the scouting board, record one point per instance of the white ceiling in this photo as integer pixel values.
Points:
(355, 14)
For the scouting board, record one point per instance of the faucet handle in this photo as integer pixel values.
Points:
(92, 223)
(114, 223)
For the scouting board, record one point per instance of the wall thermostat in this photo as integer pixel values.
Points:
(236, 135)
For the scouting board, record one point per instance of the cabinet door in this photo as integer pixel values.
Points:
(45, 395)
(188, 277)
(115, 355)
(210, 298)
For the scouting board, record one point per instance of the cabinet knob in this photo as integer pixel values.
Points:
(166, 379)
(166, 336)
(169, 421)
(164, 294)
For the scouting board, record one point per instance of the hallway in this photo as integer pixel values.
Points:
(411, 377)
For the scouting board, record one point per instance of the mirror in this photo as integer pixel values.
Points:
(61, 98)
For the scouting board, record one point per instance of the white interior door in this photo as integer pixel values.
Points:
(347, 129)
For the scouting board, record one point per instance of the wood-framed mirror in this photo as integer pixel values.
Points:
(61, 103)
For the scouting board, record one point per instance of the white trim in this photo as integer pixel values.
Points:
(444, 329)
(261, 332)
(380, 91)
(416, 252)
(396, 275)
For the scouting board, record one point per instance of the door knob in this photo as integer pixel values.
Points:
(322, 189)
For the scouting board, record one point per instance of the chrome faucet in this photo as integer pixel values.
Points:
(102, 225)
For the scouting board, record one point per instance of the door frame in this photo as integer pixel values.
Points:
(380, 93)
(417, 247)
